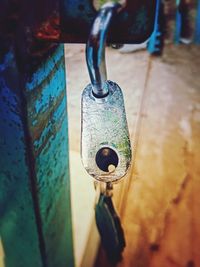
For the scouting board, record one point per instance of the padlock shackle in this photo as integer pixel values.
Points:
(95, 49)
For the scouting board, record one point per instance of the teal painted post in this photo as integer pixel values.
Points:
(197, 26)
(18, 228)
(155, 40)
(178, 24)
(47, 121)
(35, 211)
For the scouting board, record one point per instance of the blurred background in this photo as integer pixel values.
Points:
(158, 201)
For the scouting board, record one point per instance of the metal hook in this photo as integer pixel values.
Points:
(95, 49)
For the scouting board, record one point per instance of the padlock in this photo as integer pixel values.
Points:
(105, 143)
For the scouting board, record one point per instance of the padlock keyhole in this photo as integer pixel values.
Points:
(107, 158)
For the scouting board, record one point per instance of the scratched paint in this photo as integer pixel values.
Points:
(35, 212)
(17, 220)
(48, 128)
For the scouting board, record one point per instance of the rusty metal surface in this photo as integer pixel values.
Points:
(47, 123)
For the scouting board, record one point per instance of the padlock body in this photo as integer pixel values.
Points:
(104, 134)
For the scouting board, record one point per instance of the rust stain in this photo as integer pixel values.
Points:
(154, 247)
(190, 263)
(172, 262)
(49, 30)
(182, 189)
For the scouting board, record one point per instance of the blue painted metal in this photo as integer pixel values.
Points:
(47, 120)
(35, 212)
(178, 24)
(18, 230)
(197, 26)
(154, 41)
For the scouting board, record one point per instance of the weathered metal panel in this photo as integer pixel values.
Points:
(35, 211)
(47, 120)
(18, 229)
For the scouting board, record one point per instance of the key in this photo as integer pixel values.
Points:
(109, 227)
